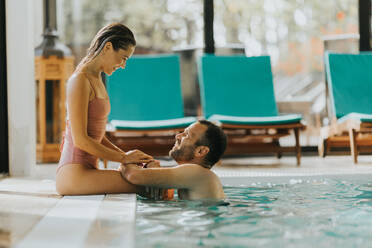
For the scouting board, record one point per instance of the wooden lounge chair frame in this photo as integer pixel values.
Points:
(262, 139)
(351, 136)
(250, 130)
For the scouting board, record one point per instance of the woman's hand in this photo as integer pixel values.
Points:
(136, 157)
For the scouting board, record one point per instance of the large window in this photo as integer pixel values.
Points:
(292, 32)
(159, 25)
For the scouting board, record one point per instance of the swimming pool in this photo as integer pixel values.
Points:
(321, 211)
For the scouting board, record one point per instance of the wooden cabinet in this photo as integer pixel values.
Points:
(51, 75)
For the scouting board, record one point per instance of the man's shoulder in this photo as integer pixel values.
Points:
(190, 165)
(197, 168)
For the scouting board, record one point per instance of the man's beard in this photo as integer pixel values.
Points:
(183, 154)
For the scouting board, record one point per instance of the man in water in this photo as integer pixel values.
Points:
(196, 150)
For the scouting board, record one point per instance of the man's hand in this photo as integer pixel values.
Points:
(154, 193)
(149, 192)
(125, 169)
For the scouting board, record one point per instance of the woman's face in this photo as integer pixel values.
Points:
(116, 59)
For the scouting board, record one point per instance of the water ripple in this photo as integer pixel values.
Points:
(296, 213)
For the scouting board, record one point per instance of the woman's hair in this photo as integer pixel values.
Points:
(120, 36)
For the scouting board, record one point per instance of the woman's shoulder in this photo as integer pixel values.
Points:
(78, 75)
(78, 80)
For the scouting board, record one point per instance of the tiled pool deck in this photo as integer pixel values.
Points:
(32, 214)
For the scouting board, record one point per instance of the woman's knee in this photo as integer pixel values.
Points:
(67, 182)
(61, 188)
(64, 186)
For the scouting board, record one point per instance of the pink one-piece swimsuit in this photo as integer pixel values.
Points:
(98, 110)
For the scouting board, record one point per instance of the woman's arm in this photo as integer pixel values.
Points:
(106, 142)
(78, 91)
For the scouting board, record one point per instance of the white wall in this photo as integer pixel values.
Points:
(38, 21)
(21, 86)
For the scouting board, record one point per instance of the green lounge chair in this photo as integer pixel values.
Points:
(238, 92)
(349, 84)
(146, 104)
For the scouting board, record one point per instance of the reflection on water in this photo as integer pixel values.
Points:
(309, 213)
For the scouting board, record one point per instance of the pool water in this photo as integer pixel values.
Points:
(313, 212)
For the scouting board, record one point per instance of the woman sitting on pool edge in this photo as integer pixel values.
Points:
(196, 150)
(87, 109)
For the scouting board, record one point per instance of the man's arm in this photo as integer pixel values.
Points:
(180, 177)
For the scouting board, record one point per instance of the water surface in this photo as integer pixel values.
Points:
(296, 213)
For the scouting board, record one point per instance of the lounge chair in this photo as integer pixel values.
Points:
(146, 104)
(349, 81)
(238, 92)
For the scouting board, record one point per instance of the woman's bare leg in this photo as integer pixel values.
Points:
(77, 179)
